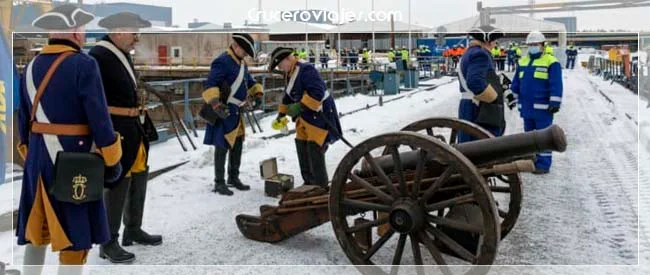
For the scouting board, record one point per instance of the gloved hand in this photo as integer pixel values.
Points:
(510, 99)
(279, 123)
(221, 110)
(294, 110)
(256, 100)
(553, 109)
(112, 174)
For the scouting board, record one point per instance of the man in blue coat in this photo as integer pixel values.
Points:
(229, 85)
(481, 93)
(71, 116)
(537, 85)
(311, 107)
(571, 54)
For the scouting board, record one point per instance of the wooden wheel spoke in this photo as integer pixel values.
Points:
(453, 136)
(397, 164)
(437, 184)
(502, 213)
(366, 205)
(375, 247)
(500, 189)
(373, 189)
(381, 174)
(419, 173)
(450, 202)
(400, 249)
(455, 224)
(415, 246)
(367, 225)
(435, 253)
(451, 244)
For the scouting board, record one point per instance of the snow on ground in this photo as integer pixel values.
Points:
(584, 212)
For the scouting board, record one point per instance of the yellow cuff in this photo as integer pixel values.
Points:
(488, 95)
(112, 153)
(310, 102)
(22, 151)
(283, 109)
(210, 94)
(256, 89)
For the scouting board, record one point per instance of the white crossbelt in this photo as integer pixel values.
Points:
(235, 86)
(467, 94)
(292, 81)
(120, 56)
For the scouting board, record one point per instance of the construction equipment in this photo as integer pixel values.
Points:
(459, 200)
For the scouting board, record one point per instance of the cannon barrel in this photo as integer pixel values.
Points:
(485, 151)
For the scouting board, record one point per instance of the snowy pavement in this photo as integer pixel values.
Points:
(584, 213)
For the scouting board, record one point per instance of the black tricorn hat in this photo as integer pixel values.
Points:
(246, 42)
(279, 54)
(64, 17)
(486, 33)
(124, 20)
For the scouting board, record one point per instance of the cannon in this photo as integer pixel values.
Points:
(457, 201)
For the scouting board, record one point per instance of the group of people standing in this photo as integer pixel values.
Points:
(76, 102)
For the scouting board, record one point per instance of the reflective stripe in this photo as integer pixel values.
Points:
(52, 143)
(545, 154)
(540, 75)
(556, 98)
(521, 74)
(540, 106)
(120, 55)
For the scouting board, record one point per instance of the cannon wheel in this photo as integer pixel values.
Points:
(433, 127)
(408, 209)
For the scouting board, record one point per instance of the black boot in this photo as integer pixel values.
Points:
(234, 161)
(303, 161)
(221, 188)
(219, 172)
(114, 203)
(133, 212)
(318, 167)
(113, 252)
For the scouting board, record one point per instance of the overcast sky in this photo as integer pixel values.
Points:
(425, 12)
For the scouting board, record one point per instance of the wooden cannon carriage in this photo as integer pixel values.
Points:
(451, 199)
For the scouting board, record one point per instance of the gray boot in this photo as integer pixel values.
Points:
(114, 204)
(317, 163)
(220, 171)
(133, 212)
(234, 161)
(303, 160)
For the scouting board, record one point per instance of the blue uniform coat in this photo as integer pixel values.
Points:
(74, 96)
(308, 88)
(226, 68)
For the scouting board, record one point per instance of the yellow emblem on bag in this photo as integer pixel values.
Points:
(79, 188)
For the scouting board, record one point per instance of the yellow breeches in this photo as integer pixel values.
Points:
(69, 257)
(140, 163)
(43, 225)
(306, 131)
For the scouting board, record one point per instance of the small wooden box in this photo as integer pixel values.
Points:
(275, 184)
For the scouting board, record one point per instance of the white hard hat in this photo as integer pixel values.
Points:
(535, 37)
